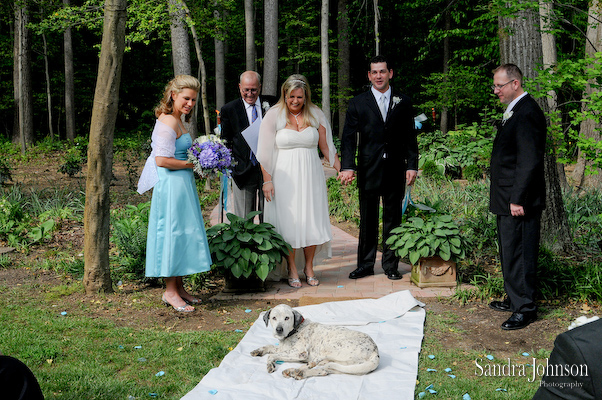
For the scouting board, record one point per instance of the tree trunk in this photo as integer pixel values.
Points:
(48, 91)
(201, 75)
(69, 83)
(23, 84)
(444, 124)
(270, 52)
(220, 65)
(97, 276)
(589, 129)
(180, 50)
(324, 61)
(344, 67)
(376, 28)
(550, 58)
(524, 48)
(250, 51)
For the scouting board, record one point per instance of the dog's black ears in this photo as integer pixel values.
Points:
(266, 317)
(298, 318)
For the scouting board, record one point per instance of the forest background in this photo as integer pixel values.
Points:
(56, 80)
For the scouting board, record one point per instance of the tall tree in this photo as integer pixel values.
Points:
(324, 59)
(590, 128)
(550, 59)
(48, 88)
(202, 72)
(220, 60)
(270, 55)
(250, 59)
(521, 44)
(23, 131)
(180, 50)
(446, 50)
(97, 277)
(69, 82)
(344, 66)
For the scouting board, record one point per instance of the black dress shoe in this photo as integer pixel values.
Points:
(519, 320)
(361, 272)
(500, 305)
(393, 275)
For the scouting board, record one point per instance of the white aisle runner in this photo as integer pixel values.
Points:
(395, 322)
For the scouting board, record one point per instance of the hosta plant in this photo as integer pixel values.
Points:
(428, 235)
(243, 247)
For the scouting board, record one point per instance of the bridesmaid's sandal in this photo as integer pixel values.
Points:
(312, 281)
(185, 308)
(294, 283)
(192, 302)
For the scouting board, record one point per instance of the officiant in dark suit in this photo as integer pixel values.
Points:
(236, 116)
(517, 194)
(380, 125)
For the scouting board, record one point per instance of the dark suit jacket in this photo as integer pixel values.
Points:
(234, 120)
(517, 165)
(577, 347)
(386, 150)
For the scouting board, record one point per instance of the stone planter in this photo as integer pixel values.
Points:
(243, 285)
(433, 272)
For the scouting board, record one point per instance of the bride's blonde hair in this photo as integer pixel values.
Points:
(308, 117)
(175, 86)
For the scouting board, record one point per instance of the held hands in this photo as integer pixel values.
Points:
(346, 177)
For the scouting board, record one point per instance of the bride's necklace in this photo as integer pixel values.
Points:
(296, 115)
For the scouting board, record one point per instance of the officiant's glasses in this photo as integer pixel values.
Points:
(499, 87)
(252, 91)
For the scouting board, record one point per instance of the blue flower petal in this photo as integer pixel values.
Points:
(432, 357)
(466, 396)
(447, 370)
(213, 391)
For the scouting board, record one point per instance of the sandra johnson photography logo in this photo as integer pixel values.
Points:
(532, 371)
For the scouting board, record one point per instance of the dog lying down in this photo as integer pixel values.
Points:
(326, 349)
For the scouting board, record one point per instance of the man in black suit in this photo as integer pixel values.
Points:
(574, 371)
(517, 194)
(387, 159)
(236, 116)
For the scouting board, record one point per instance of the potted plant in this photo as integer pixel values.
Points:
(245, 252)
(432, 242)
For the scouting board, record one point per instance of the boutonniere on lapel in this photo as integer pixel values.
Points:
(265, 106)
(507, 116)
(396, 101)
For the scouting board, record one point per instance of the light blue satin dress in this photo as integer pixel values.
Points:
(176, 243)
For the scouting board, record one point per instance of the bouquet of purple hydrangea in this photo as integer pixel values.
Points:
(210, 157)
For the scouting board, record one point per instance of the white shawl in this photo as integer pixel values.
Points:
(163, 145)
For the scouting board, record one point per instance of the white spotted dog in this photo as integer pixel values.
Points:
(326, 349)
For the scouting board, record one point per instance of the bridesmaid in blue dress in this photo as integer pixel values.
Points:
(176, 243)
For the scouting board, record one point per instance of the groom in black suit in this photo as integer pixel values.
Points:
(387, 160)
(517, 195)
(236, 116)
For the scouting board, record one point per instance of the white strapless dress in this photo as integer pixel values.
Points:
(299, 208)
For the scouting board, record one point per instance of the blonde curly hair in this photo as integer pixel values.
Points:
(175, 86)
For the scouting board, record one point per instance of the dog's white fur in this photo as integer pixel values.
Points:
(326, 349)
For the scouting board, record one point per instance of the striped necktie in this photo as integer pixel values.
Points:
(253, 118)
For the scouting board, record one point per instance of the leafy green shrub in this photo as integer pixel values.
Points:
(431, 170)
(473, 173)
(12, 221)
(427, 236)
(130, 228)
(72, 163)
(244, 248)
(584, 213)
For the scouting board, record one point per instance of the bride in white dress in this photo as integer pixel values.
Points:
(294, 184)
